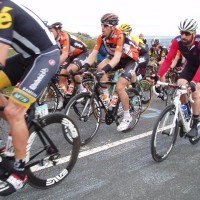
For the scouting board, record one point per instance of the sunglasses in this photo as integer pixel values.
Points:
(105, 25)
(186, 33)
(154, 45)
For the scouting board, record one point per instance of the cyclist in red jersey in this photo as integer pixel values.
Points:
(188, 42)
(121, 53)
(73, 54)
(29, 70)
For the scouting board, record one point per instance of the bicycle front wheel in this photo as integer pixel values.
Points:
(164, 134)
(86, 113)
(50, 97)
(50, 157)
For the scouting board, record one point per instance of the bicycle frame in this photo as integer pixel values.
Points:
(178, 109)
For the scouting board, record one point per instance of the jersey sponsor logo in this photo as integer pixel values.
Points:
(132, 72)
(52, 62)
(5, 18)
(20, 97)
(76, 44)
(41, 75)
(29, 92)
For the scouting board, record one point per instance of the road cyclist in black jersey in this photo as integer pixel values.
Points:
(30, 70)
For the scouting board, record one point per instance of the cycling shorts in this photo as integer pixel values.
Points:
(31, 75)
(78, 60)
(129, 67)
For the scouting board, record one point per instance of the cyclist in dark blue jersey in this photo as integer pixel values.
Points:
(30, 70)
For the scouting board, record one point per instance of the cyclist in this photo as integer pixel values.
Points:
(30, 71)
(73, 54)
(188, 43)
(143, 50)
(122, 53)
(159, 53)
(141, 36)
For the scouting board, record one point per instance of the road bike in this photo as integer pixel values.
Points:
(170, 122)
(86, 109)
(49, 155)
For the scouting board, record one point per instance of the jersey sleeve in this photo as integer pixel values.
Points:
(98, 44)
(196, 77)
(170, 56)
(65, 43)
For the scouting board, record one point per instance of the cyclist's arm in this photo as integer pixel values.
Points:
(4, 53)
(174, 62)
(196, 77)
(171, 54)
(65, 49)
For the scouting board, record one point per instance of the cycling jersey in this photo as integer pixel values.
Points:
(158, 54)
(192, 56)
(37, 60)
(118, 42)
(71, 44)
(23, 30)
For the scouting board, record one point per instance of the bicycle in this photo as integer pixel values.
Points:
(86, 109)
(50, 157)
(170, 122)
(52, 92)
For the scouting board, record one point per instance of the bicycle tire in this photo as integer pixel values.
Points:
(50, 97)
(146, 94)
(82, 110)
(134, 109)
(45, 166)
(162, 142)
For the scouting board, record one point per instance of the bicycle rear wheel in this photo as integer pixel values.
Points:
(47, 165)
(164, 134)
(145, 90)
(86, 113)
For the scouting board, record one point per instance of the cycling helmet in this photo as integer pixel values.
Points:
(125, 28)
(188, 25)
(56, 25)
(110, 19)
(155, 41)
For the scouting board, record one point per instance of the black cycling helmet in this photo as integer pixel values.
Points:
(155, 41)
(56, 25)
(110, 19)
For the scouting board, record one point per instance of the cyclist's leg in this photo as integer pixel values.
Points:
(128, 72)
(39, 71)
(76, 65)
(185, 77)
(104, 78)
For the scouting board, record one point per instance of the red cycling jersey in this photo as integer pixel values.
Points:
(191, 55)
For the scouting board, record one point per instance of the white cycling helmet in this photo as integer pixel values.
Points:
(188, 25)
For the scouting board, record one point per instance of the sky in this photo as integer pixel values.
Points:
(150, 17)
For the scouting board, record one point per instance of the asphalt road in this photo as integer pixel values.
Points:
(119, 166)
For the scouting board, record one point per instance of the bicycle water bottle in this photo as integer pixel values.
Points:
(185, 112)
